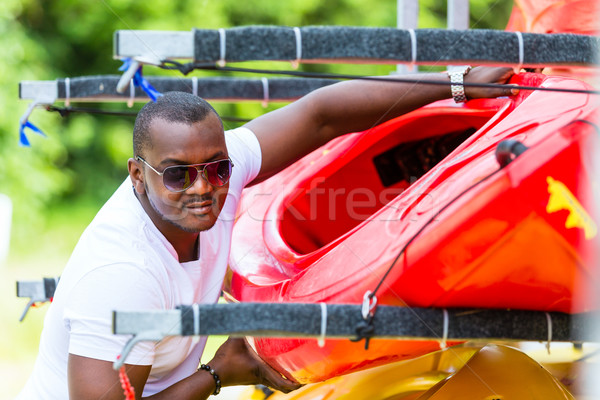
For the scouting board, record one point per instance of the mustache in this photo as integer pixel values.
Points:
(198, 199)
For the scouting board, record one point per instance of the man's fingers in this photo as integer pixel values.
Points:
(275, 380)
(269, 376)
(284, 386)
(499, 75)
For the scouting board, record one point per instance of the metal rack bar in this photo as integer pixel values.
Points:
(103, 88)
(340, 44)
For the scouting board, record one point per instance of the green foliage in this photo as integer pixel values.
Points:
(84, 157)
(59, 183)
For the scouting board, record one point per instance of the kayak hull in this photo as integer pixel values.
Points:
(477, 235)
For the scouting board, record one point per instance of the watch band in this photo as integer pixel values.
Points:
(457, 88)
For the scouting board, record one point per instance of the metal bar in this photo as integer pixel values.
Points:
(154, 44)
(346, 321)
(304, 320)
(360, 45)
(408, 14)
(44, 92)
(164, 323)
(32, 289)
(458, 14)
(103, 88)
(408, 18)
(458, 18)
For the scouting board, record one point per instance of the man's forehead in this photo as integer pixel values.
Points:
(175, 138)
(210, 120)
(209, 128)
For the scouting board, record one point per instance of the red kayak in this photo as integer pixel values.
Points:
(520, 236)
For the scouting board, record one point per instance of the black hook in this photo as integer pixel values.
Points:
(364, 330)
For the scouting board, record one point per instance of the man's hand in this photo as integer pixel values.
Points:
(489, 75)
(237, 364)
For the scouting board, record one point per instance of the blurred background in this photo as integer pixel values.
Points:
(51, 191)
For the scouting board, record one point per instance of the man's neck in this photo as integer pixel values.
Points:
(185, 243)
(185, 246)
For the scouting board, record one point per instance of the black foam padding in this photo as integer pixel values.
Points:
(394, 45)
(318, 43)
(217, 88)
(477, 46)
(49, 287)
(304, 320)
(187, 320)
(89, 86)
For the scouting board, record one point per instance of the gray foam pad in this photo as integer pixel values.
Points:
(208, 88)
(304, 320)
(394, 45)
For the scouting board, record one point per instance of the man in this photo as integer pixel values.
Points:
(165, 241)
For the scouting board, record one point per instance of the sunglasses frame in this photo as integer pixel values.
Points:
(200, 168)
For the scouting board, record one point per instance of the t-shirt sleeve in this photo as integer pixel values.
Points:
(244, 150)
(88, 312)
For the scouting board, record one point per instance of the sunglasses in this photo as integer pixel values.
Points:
(178, 178)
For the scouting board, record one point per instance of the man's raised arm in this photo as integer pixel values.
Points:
(289, 133)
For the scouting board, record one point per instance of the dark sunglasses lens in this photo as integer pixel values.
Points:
(218, 173)
(179, 178)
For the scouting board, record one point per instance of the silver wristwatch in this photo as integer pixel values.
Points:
(456, 75)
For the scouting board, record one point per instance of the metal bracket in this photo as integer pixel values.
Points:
(37, 292)
(133, 75)
(153, 45)
(132, 64)
(144, 326)
(47, 94)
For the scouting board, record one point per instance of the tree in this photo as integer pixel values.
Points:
(84, 157)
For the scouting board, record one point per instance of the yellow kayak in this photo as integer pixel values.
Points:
(493, 372)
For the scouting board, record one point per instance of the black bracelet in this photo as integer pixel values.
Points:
(211, 371)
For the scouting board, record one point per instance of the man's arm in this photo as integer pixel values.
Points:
(96, 379)
(234, 362)
(289, 133)
(90, 378)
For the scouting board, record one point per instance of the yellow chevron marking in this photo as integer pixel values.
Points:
(561, 198)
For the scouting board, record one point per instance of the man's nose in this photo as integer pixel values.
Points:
(200, 185)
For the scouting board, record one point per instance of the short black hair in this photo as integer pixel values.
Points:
(172, 107)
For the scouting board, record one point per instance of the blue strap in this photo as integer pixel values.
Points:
(23, 140)
(139, 80)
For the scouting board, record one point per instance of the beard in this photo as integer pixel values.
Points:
(174, 221)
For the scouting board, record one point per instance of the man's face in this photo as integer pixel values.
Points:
(196, 208)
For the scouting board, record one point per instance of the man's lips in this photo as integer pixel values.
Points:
(199, 207)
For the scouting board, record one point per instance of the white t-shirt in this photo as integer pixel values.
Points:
(123, 262)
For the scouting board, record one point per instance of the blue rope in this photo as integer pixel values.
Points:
(140, 81)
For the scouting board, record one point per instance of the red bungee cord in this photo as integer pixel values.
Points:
(128, 390)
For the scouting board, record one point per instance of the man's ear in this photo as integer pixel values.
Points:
(136, 174)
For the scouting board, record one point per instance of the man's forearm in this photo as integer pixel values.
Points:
(199, 385)
(358, 105)
(289, 133)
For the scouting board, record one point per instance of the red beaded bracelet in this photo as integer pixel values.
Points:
(211, 371)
